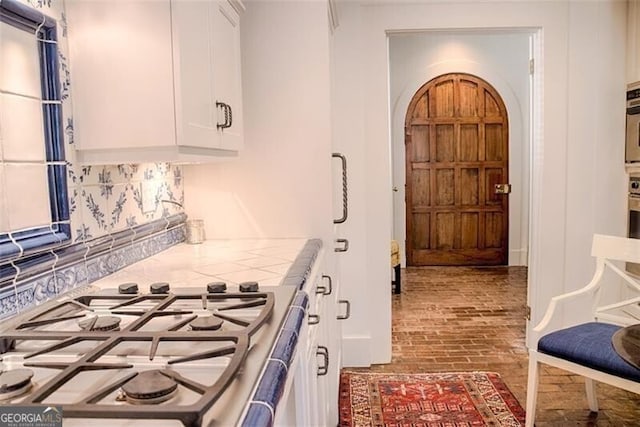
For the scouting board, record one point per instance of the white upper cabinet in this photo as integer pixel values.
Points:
(227, 85)
(155, 80)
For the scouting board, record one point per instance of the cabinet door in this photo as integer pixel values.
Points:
(332, 339)
(227, 71)
(121, 67)
(196, 115)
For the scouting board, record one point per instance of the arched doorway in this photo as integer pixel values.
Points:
(456, 150)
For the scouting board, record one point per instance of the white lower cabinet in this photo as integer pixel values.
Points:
(311, 392)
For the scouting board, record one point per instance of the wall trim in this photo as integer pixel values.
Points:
(77, 266)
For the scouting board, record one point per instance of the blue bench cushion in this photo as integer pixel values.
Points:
(589, 345)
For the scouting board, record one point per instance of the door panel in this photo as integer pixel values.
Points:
(421, 189)
(469, 223)
(469, 137)
(493, 227)
(468, 98)
(422, 230)
(444, 187)
(445, 230)
(492, 108)
(494, 144)
(456, 136)
(444, 143)
(469, 186)
(493, 176)
(420, 136)
(444, 99)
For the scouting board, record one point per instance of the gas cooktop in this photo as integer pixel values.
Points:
(186, 356)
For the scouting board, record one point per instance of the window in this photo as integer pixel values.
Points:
(34, 212)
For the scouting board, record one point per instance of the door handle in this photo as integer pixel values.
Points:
(228, 115)
(345, 207)
(502, 188)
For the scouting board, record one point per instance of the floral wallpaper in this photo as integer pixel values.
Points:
(109, 198)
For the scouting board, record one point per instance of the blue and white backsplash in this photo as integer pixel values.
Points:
(107, 199)
(106, 212)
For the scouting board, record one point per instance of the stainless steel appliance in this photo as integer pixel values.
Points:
(632, 152)
(162, 357)
(634, 217)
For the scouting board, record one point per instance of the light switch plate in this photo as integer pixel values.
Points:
(148, 190)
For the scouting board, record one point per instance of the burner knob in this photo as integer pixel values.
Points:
(128, 288)
(248, 287)
(159, 288)
(216, 287)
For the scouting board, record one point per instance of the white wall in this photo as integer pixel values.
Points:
(596, 184)
(499, 57)
(578, 181)
(633, 41)
(279, 185)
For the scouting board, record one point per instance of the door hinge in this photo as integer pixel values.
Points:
(528, 313)
(531, 66)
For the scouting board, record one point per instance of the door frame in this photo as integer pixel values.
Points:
(521, 128)
(530, 127)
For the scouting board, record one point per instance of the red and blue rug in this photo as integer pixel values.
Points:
(459, 399)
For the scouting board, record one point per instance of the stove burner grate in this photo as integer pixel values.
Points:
(157, 395)
(15, 382)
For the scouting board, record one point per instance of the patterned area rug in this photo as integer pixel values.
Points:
(460, 399)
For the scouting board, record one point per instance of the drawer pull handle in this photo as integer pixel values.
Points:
(344, 243)
(314, 319)
(325, 290)
(348, 311)
(324, 352)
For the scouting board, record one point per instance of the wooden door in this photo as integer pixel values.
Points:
(456, 142)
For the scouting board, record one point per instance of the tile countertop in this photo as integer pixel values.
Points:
(265, 261)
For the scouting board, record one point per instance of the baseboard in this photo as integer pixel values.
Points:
(519, 256)
(356, 351)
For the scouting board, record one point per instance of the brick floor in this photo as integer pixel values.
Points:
(473, 318)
